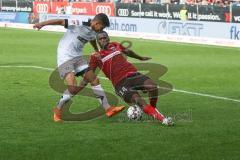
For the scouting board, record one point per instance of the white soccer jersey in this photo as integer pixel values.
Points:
(72, 43)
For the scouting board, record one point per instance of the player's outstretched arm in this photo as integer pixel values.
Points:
(49, 22)
(132, 54)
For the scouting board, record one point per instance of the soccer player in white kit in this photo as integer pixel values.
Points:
(71, 63)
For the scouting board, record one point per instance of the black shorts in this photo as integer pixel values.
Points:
(77, 65)
(128, 86)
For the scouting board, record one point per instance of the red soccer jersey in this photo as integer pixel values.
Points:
(113, 64)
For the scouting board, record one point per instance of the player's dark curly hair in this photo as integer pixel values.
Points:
(102, 32)
(102, 17)
(87, 23)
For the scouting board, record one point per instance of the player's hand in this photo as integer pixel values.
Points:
(37, 26)
(97, 55)
(145, 58)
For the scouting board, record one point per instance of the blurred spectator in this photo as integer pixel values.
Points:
(236, 2)
(175, 1)
(182, 1)
(184, 13)
(69, 8)
(33, 18)
(61, 10)
(204, 2)
(190, 2)
(151, 1)
(218, 3)
(165, 1)
(198, 2)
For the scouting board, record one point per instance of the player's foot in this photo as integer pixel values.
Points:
(57, 115)
(168, 121)
(114, 110)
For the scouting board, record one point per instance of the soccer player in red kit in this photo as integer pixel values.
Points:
(125, 77)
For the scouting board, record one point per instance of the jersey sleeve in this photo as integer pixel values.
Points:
(93, 63)
(120, 47)
(93, 37)
(69, 24)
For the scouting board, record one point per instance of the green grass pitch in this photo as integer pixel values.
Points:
(206, 127)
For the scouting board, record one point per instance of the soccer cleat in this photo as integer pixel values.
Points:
(168, 121)
(57, 115)
(114, 110)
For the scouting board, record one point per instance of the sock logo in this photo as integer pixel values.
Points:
(101, 98)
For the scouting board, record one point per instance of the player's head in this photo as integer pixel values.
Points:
(99, 22)
(103, 39)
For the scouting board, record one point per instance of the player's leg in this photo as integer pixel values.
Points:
(72, 90)
(67, 71)
(147, 108)
(132, 97)
(91, 77)
(150, 110)
(152, 90)
(97, 88)
(127, 90)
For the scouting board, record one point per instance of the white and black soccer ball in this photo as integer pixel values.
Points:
(134, 112)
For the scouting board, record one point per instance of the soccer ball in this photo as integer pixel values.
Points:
(134, 112)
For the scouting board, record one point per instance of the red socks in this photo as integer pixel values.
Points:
(151, 111)
(153, 102)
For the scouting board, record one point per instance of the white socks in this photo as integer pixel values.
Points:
(101, 96)
(65, 98)
(97, 90)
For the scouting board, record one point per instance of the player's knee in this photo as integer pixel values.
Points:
(90, 76)
(95, 82)
(151, 86)
(135, 98)
(73, 90)
(83, 83)
(154, 88)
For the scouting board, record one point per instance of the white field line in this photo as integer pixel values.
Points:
(36, 67)
(174, 89)
(201, 94)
